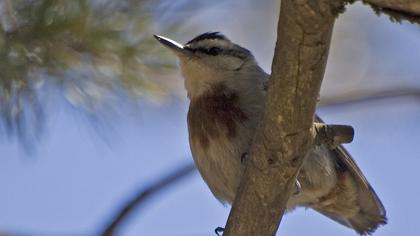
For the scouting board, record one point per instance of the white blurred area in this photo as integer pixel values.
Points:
(74, 181)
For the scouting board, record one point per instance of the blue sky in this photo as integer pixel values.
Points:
(76, 177)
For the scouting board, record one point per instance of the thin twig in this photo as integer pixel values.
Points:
(145, 194)
(355, 97)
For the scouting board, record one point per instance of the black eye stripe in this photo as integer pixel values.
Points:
(215, 51)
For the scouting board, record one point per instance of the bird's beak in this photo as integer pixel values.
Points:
(174, 46)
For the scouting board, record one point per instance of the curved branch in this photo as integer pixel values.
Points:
(145, 194)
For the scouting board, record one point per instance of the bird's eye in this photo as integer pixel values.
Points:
(214, 51)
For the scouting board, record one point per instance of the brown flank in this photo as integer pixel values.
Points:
(214, 113)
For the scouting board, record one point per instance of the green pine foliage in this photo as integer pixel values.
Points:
(88, 51)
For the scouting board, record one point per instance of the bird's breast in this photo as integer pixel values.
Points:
(218, 135)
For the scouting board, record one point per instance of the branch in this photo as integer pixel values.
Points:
(353, 97)
(332, 135)
(407, 6)
(397, 9)
(284, 137)
(145, 194)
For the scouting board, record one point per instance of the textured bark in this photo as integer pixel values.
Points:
(284, 136)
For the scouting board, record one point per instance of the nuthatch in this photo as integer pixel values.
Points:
(227, 93)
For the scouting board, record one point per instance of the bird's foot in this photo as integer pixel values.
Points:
(244, 157)
(298, 187)
(219, 230)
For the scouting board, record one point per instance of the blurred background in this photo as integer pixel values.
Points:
(93, 113)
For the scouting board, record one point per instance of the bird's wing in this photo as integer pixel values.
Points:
(372, 213)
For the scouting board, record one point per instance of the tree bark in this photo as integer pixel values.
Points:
(284, 136)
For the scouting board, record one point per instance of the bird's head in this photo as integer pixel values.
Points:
(209, 59)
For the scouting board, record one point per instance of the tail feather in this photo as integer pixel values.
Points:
(355, 203)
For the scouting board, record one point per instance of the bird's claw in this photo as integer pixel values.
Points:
(298, 187)
(219, 230)
(244, 156)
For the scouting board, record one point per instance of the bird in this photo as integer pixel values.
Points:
(227, 91)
